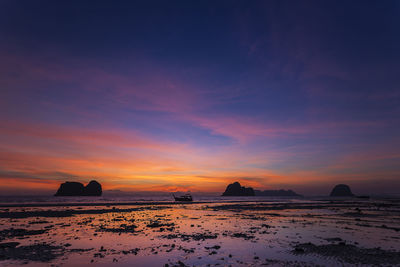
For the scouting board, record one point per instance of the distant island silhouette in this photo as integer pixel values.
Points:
(236, 189)
(341, 190)
(78, 189)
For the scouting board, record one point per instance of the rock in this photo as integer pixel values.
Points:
(299, 250)
(8, 245)
(236, 189)
(70, 189)
(36, 252)
(77, 189)
(19, 232)
(350, 254)
(341, 190)
(93, 189)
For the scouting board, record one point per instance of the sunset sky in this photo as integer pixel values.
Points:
(193, 95)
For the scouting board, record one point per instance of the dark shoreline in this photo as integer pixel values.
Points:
(273, 201)
(136, 203)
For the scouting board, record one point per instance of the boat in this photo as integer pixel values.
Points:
(186, 197)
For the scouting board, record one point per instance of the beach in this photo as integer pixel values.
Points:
(199, 133)
(302, 232)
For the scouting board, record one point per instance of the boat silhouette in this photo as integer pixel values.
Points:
(186, 197)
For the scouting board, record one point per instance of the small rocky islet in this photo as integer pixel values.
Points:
(341, 190)
(236, 189)
(93, 188)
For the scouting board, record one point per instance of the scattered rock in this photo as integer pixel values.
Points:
(350, 253)
(157, 224)
(214, 247)
(11, 233)
(243, 235)
(8, 245)
(195, 237)
(123, 228)
(37, 252)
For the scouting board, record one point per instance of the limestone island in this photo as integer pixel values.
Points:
(236, 189)
(341, 190)
(78, 189)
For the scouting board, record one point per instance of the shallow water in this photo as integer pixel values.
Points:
(223, 233)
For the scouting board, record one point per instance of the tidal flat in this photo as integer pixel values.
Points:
(247, 233)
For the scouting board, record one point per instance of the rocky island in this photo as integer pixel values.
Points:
(236, 189)
(341, 190)
(78, 189)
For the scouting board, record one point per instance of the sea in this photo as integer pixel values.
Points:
(48, 200)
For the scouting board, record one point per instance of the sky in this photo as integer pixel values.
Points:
(193, 95)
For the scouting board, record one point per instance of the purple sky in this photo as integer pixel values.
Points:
(192, 95)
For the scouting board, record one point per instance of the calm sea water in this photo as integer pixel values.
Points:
(167, 198)
(4, 200)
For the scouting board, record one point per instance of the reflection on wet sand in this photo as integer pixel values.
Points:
(305, 233)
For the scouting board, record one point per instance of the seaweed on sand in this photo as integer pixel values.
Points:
(350, 253)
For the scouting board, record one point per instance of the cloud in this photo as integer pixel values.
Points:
(68, 115)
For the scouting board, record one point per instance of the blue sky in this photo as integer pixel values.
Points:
(191, 95)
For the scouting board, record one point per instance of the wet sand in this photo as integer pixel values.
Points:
(298, 233)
